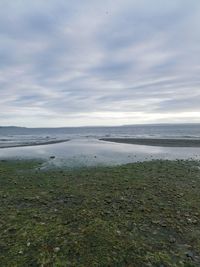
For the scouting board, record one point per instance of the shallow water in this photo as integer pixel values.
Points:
(12, 136)
(93, 152)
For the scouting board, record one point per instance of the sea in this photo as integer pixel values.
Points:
(84, 148)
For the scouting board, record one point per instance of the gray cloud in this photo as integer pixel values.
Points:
(117, 62)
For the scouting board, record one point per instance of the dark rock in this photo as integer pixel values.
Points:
(190, 254)
(141, 209)
(12, 230)
(163, 224)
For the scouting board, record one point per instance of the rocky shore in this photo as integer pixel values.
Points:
(141, 214)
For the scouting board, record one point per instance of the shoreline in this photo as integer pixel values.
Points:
(155, 142)
(36, 144)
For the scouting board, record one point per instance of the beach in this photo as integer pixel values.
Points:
(139, 214)
(36, 143)
(163, 142)
(84, 199)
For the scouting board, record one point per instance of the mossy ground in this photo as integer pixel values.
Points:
(141, 214)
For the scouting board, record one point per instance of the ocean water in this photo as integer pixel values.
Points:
(85, 148)
(153, 131)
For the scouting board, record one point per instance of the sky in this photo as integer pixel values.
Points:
(112, 62)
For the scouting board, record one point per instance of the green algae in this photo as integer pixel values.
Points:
(141, 214)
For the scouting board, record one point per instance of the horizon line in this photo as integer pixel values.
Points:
(109, 126)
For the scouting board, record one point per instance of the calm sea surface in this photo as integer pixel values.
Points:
(84, 148)
(164, 131)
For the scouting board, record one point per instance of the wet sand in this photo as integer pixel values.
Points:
(156, 142)
(33, 143)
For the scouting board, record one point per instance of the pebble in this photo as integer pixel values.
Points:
(192, 221)
(172, 239)
(163, 224)
(57, 249)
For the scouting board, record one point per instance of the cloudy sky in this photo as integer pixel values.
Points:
(92, 62)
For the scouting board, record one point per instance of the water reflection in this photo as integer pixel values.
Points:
(92, 152)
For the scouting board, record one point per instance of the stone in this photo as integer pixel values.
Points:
(56, 249)
(172, 239)
(190, 254)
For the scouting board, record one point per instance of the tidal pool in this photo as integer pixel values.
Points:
(93, 152)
